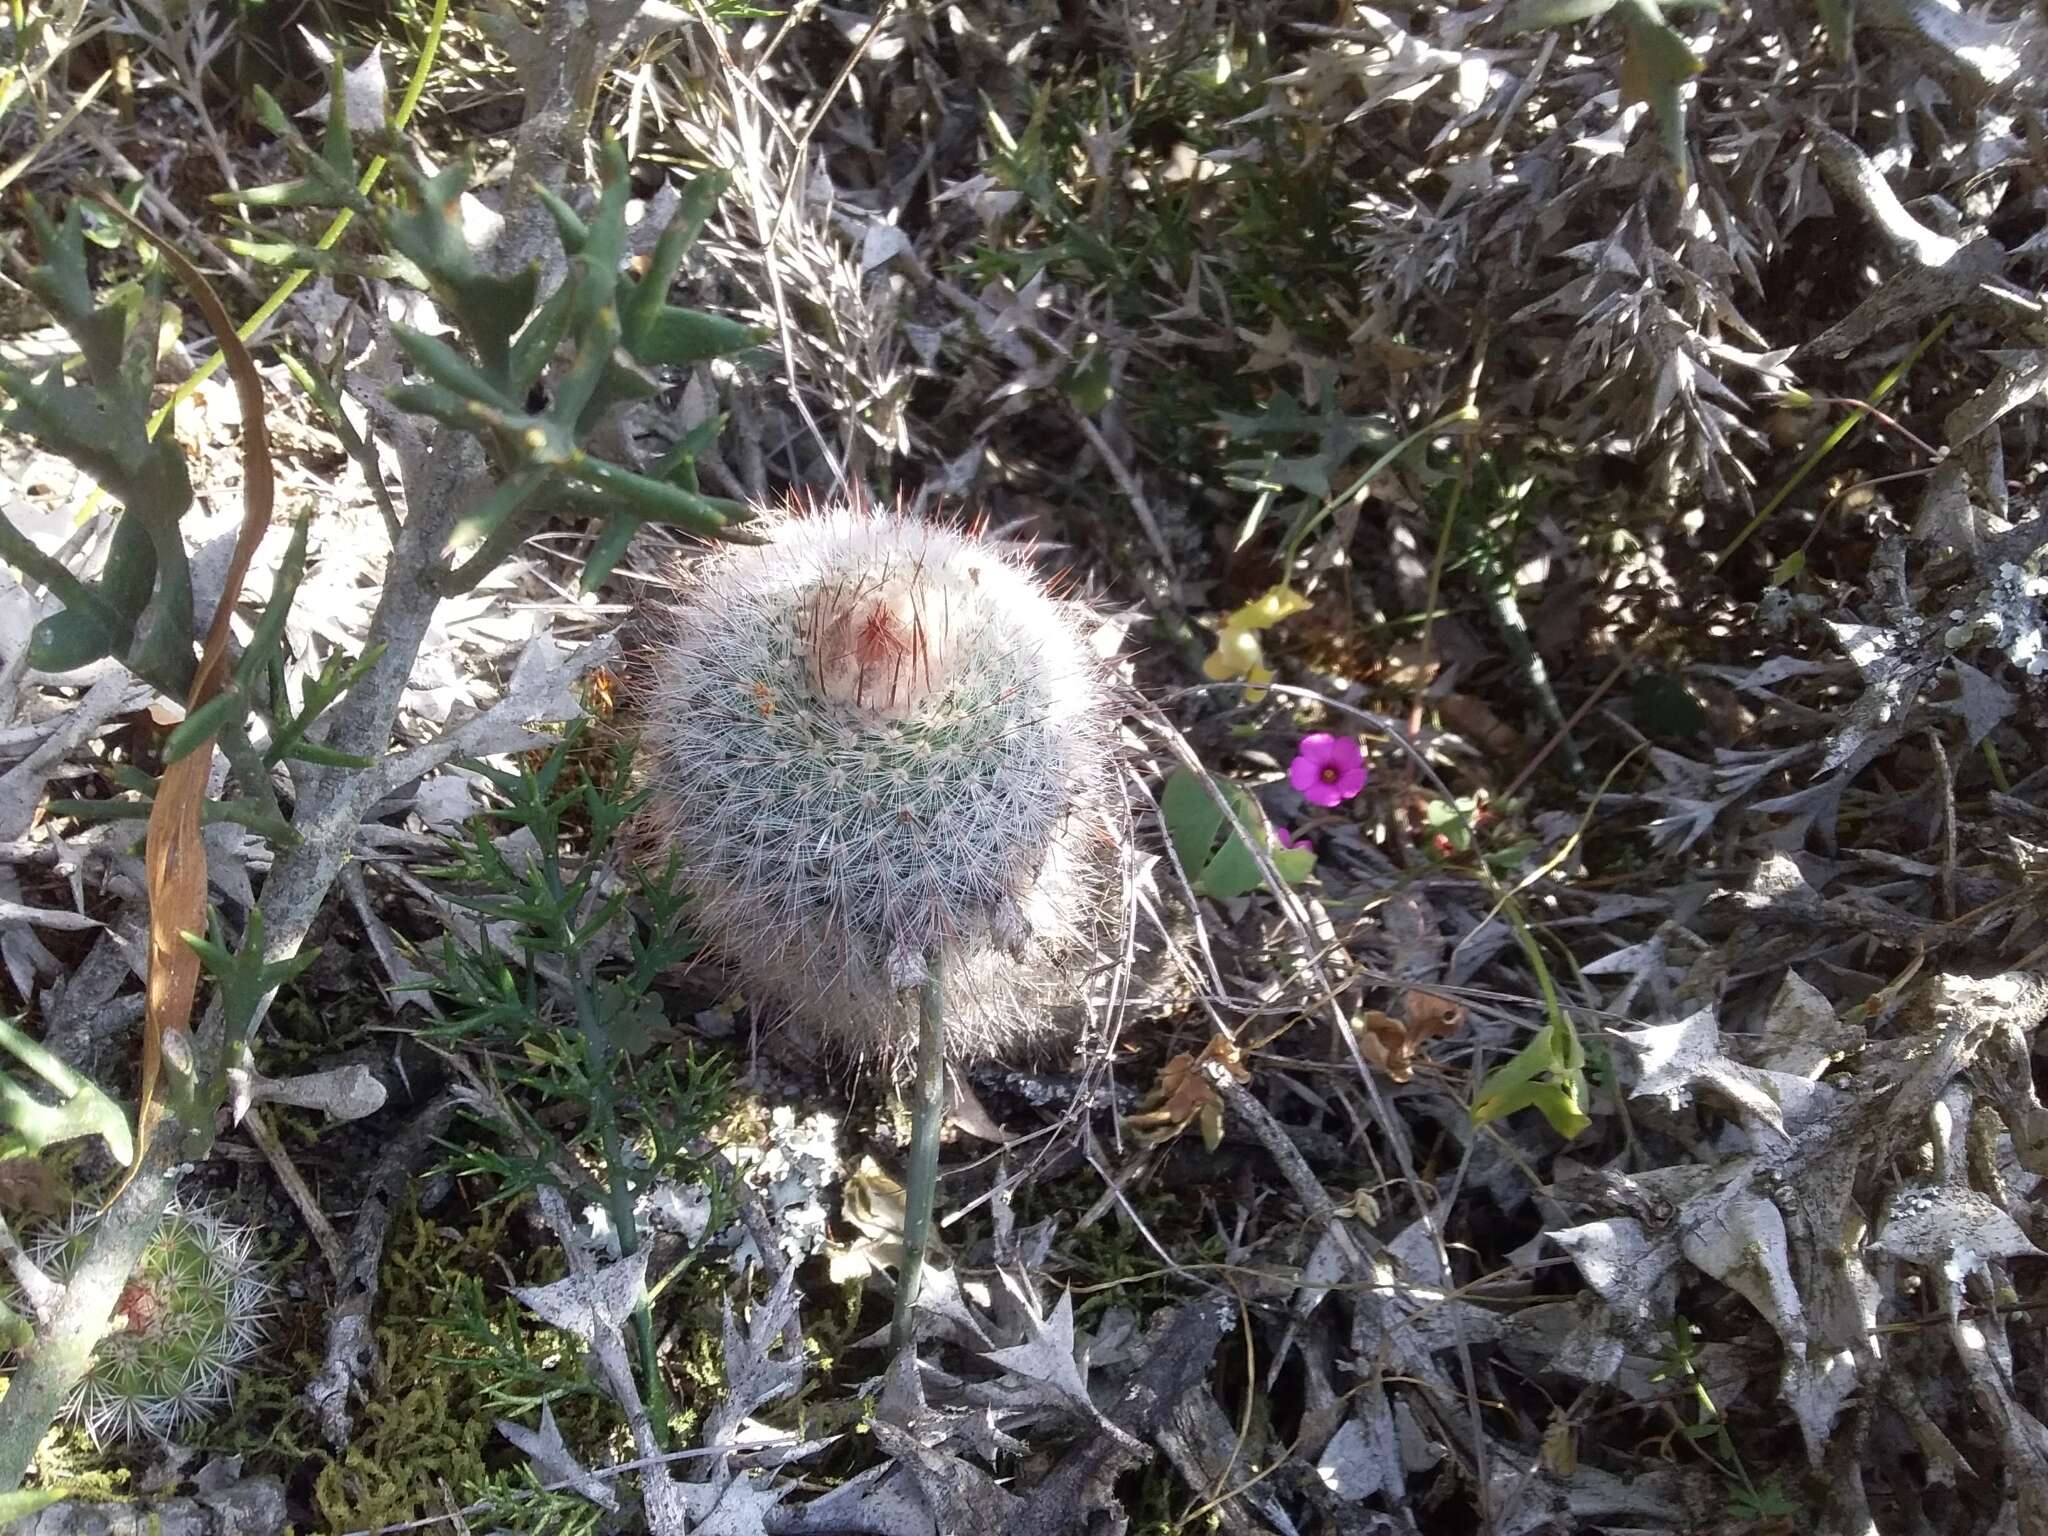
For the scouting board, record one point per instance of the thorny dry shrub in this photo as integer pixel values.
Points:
(1164, 281)
(1098, 272)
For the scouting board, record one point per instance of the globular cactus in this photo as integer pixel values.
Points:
(184, 1329)
(877, 742)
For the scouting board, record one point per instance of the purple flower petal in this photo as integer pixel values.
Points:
(1291, 843)
(1328, 770)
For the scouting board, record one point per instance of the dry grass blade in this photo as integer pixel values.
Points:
(174, 853)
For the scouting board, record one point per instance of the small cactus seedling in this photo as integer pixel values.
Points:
(884, 748)
(186, 1325)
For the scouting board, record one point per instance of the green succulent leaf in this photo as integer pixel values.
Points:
(1548, 1075)
(205, 723)
(327, 175)
(1656, 64)
(541, 336)
(609, 548)
(451, 370)
(678, 466)
(337, 676)
(569, 226)
(1195, 823)
(650, 290)
(503, 502)
(71, 639)
(660, 501)
(445, 406)
(59, 279)
(679, 337)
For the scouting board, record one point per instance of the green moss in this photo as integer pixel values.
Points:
(306, 1027)
(67, 1459)
(1111, 1259)
(455, 1362)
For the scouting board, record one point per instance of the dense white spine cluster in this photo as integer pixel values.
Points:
(875, 739)
(185, 1328)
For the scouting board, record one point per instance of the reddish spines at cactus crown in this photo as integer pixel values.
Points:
(874, 739)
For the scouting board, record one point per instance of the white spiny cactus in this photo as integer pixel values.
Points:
(875, 740)
(185, 1329)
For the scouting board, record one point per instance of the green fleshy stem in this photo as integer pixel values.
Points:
(928, 1115)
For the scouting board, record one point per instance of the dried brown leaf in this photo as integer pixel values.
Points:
(1393, 1046)
(30, 1186)
(1183, 1095)
(174, 854)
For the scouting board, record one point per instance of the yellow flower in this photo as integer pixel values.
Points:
(1268, 609)
(1238, 653)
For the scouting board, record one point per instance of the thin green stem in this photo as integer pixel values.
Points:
(928, 1114)
(21, 552)
(1992, 762)
(1357, 489)
(1833, 440)
(619, 1195)
(597, 1058)
(566, 925)
(335, 229)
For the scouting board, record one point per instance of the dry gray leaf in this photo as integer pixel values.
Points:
(882, 1501)
(1675, 1060)
(1801, 1032)
(1047, 1357)
(945, 1308)
(1983, 703)
(352, 1092)
(1326, 1267)
(593, 1307)
(21, 787)
(1893, 671)
(552, 1461)
(1739, 1239)
(1628, 1271)
(446, 801)
(684, 1209)
(1412, 1298)
(1970, 50)
(1818, 1387)
(756, 1371)
(963, 1499)
(741, 1508)
(1950, 1228)
(541, 689)
(881, 244)
(1352, 1466)
(2022, 376)
(14, 915)
(365, 93)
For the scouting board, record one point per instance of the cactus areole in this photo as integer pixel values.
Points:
(876, 742)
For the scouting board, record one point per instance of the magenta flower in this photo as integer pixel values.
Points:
(1327, 769)
(1291, 843)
